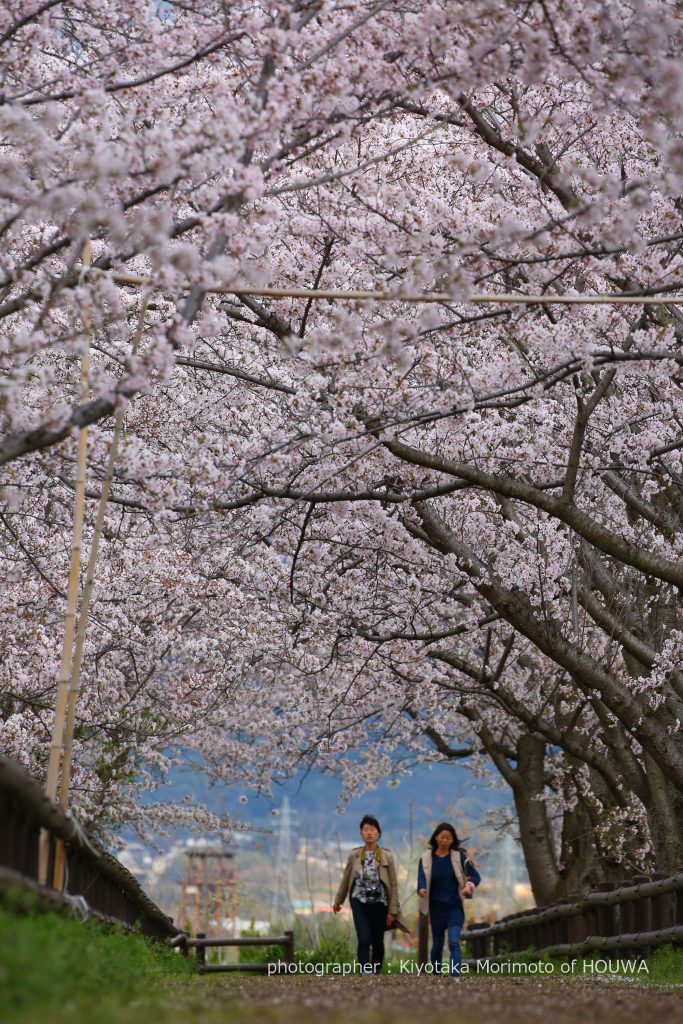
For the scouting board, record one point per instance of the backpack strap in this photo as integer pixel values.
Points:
(378, 855)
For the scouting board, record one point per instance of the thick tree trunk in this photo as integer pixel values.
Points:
(664, 808)
(663, 802)
(585, 862)
(580, 860)
(534, 827)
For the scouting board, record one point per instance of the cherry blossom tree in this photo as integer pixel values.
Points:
(408, 529)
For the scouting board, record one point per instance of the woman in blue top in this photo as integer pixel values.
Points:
(445, 875)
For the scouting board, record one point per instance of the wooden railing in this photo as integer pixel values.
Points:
(633, 917)
(96, 883)
(201, 943)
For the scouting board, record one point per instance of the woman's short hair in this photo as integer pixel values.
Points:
(445, 826)
(368, 819)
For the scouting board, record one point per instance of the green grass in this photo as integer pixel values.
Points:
(664, 966)
(58, 969)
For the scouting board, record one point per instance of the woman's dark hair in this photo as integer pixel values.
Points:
(445, 826)
(368, 819)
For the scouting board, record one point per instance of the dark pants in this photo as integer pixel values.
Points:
(446, 917)
(370, 920)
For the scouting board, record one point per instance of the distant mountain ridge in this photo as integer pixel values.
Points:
(432, 793)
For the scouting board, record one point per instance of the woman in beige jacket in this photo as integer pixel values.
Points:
(370, 876)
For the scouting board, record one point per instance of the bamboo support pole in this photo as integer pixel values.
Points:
(74, 681)
(72, 606)
(476, 298)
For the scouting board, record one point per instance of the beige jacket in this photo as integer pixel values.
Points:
(426, 860)
(387, 875)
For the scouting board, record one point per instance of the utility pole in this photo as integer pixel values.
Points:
(282, 907)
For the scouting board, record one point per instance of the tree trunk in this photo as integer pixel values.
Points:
(534, 827)
(664, 809)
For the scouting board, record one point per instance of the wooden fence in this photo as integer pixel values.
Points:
(201, 944)
(631, 918)
(96, 883)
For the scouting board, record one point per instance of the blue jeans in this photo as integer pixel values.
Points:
(446, 917)
(370, 920)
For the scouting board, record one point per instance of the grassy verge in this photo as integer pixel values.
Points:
(663, 967)
(57, 969)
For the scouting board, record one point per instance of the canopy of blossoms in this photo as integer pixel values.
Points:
(403, 529)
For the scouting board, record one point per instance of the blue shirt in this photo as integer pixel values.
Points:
(443, 888)
(444, 885)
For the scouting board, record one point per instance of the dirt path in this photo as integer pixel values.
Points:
(406, 1000)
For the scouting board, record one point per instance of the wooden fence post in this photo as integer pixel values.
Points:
(477, 942)
(605, 917)
(288, 948)
(201, 950)
(662, 906)
(423, 939)
(641, 915)
(677, 911)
